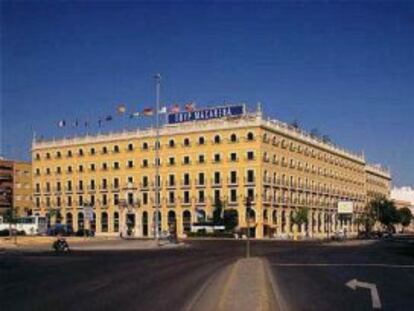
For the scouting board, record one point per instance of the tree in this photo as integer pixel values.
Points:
(384, 211)
(300, 216)
(405, 216)
(217, 212)
(230, 219)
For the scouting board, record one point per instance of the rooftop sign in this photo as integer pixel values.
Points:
(205, 114)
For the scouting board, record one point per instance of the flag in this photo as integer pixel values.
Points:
(148, 112)
(189, 107)
(134, 115)
(121, 109)
(75, 124)
(175, 108)
(163, 110)
(61, 123)
(108, 118)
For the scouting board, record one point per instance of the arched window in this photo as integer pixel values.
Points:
(217, 139)
(201, 140)
(116, 222)
(187, 221)
(233, 138)
(69, 219)
(104, 222)
(172, 225)
(81, 223)
(171, 143)
(250, 136)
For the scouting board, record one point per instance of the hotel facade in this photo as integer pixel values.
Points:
(107, 182)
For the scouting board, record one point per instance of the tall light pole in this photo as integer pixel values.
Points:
(157, 146)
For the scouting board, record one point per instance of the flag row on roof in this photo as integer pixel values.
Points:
(122, 111)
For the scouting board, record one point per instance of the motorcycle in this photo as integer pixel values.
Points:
(61, 246)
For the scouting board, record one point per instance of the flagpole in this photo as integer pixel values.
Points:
(157, 145)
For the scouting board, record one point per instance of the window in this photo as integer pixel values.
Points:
(116, 148)
(104, 199)
(104, 166)
(200, 179)
(201, 140)
(92, 151)
(80, 200)
(69, 154)
(186, 142)
(250, 193)
(116, 165)
(130, 164)
(37, 202)
(250, 176)
(145, 145)
(116, 183)
(37, 156)
(145, 163)
(186, 179)
(145, 198)
(69, 201)
(80, 152)
(171, 143)
(233, 138)
(144, 181)
(92, 167)
(233, 177)
(233, 157)
(157, 162)
(171, 197)
(69, 185)
(80, 185)
(186, 160)
(250, 155)
(171, 180)
(37, 187)
(48, 155)
(104, 150)
(116, 199)
(130, 198)
(92, 184)
(171, 161)
(58, 186)
(130, 147)
(217, 157)
(233, 195)
(201, 158)
(47, 171)
(217, 139)
(186, 196)
(250, 136)
(58, 170)
(217, 196)
(80, 168)
(217, 178)
(58, 155)
(201, 196)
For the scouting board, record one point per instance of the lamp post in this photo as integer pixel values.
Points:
(248, 208)
(157, 145)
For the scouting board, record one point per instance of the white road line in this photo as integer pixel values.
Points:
(381, 265)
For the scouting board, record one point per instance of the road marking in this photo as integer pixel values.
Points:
(354, 283)
(382, 265)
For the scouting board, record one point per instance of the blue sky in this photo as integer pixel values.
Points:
(344, 68)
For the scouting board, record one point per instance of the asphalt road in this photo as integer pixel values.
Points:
(309, 276)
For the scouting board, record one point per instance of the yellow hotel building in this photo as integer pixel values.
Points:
(280, 167)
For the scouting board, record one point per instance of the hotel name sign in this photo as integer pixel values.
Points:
(205, 114)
